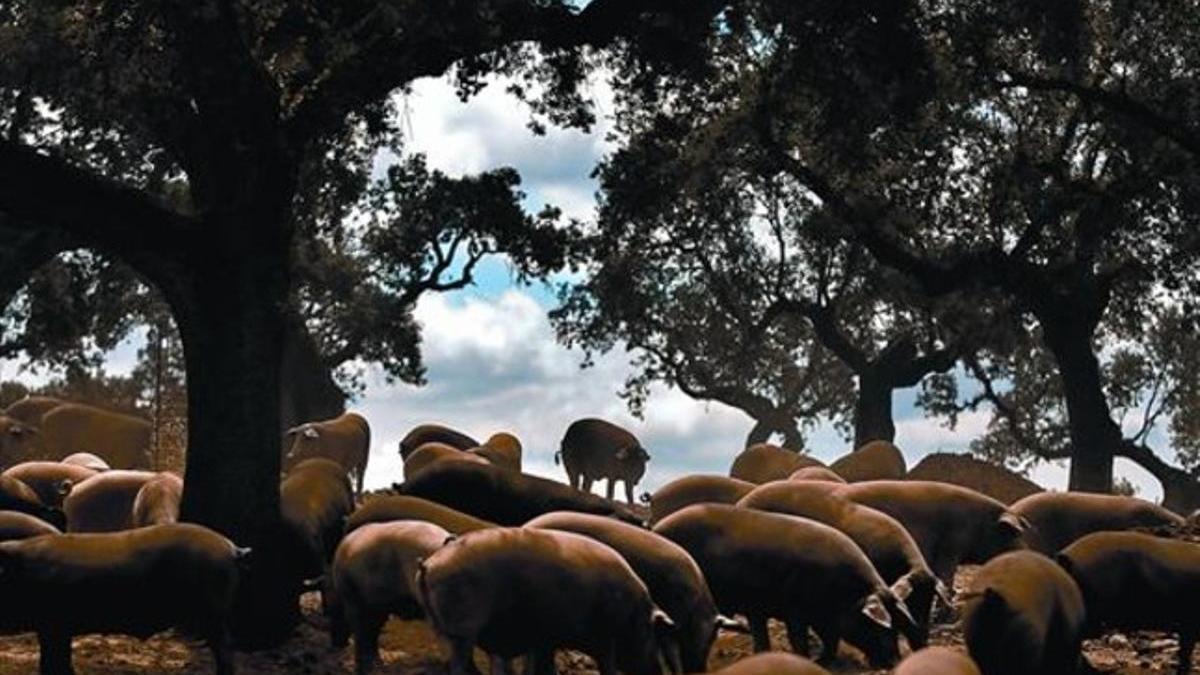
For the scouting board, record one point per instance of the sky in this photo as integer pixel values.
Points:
(493, 363)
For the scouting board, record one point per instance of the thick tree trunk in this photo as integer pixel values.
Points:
(873, 419)
(308, 392)
(1181, 491)
(1095, 437)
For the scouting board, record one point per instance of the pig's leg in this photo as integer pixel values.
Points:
(540, 663)
(797, 632)
(462, 651)
(629, 492)
(608, 492)
(758, 631)
(606, 657)
(54, 654)
(829, 643)
(221, 645)
(1187, 642)
(366, 640)
(585, 483)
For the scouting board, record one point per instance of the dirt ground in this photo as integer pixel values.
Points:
(409, 647)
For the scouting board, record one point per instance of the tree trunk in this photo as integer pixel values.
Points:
(1181, 491)
(1095, 438)
(873, 410)
(308, 392)
(765, 429)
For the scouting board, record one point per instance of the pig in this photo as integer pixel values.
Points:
(157, 503)
(373, 575)
(1059, 518)
(434, 433)
(19, 441)
(345, 439)
(136, 583)
(314, 500)
(514, 591)
(52, 481)
(951, 524)
(1024, 615)
(31, 408)
(675, 582)
(773, 663)
(432, 453)
(502, 450)
(504, 497)
(817, 473)
(15, 495)
(104, 502)
(769, 565)
(696, 489)
(765, 462)
(88, 460)
(876, 460)
(1137, 581)
(399, 507)
(123, 441)
(937, 661)
(17, 525)
(593, 449)
(886, 543)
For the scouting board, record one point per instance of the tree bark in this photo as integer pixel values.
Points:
(764, 429)
(1181, 490)
(873, 419)
(308, 392)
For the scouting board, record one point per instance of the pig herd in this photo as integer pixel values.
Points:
(516, 566)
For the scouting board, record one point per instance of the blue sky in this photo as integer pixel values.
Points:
(493, 363)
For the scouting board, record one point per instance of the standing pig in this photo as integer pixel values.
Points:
(951, 524)
(391, 508)
(593, 449)
(17, 525)
(19, 442)
(52, 481)
(17, 496)
(504, 497)
(888, 546)
(434, 433)
(768, 565)
(877, 460)
(373, 575)
(314, 501)
(937, 661)
(1024, 616)
(502, 450)
(1059, 518)
(345, 440)
(1136, 581)
(515, 591)
(104, 502)
(764, 462)
(138, 583)
(122, 440)
(773, 663)
(698, 489)
(31, 408)
(675, 582)
(157, 503)
(432, 453)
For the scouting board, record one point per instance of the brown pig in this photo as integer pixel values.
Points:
(432, 453)
(1136, 581)
(888, 546)
(876, 460)
(314, 500)
(50, 480)
(937, 661)
(345, 439)
(122, 440)
(31, 408)
(15, 495)
(696, 489)
(391, 508)
(773, 663)
(88, 460)
(1059, 518)
(951, 524)
(373, 575)
(515, 591)
(104, 502)
(675, 582)
(434, 433)
(502, 450)
(817, 473)
(17, 525)
(157, 503)
(1024, 616)
(136, 583)
(765, 462)
(769, 565)
(593, 449)
(504, 497)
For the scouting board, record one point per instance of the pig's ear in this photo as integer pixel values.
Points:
(310, 432)
(944, 593)
(65, 486)
(1017, 523)
(22, 430)
(623, 454)
(902, 588)
(732, 625)
(874, 610)
(667, 640)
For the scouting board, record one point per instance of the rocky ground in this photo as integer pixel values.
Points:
(410, 648)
